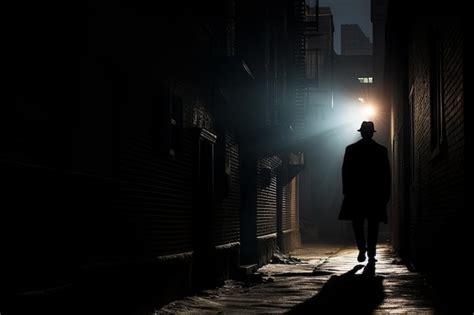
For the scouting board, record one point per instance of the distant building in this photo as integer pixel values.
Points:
(378, 17)
(319, 61)
(354, 41)
(353, 77)
(316, 113)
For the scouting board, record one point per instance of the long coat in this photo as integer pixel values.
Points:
(366, 181)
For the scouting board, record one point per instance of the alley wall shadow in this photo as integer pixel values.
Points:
(349, 293)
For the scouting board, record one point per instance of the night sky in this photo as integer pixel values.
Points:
(348, 12)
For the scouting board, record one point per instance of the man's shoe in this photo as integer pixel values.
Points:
(372, 259)
(361, 256)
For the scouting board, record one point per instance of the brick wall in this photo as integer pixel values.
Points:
(156, 195)
(431, 220)
(397, 96)
(156, 187)
(439, 178)
(93, 166)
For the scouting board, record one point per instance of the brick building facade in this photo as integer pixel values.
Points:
(427, 90)
(145, 176)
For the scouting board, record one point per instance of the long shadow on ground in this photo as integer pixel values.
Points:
(349, 293)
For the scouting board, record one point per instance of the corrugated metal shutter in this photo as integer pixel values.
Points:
(228, 208)
(293, 204)
(267, 195)
(286, 217)
(290, 215)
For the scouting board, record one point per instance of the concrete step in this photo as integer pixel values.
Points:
(246, 270)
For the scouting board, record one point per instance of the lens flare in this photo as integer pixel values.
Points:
(369, 111)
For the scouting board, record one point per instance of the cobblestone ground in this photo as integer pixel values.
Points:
(329, 280)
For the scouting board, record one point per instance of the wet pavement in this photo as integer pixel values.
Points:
(329, 280)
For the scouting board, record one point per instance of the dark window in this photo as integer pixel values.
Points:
(168, 122)
(313, 63)
(176, 122)
(223, 166)
(311, 7)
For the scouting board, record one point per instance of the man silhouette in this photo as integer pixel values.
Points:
(366, 183)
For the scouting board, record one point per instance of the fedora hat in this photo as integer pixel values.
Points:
(367, 126)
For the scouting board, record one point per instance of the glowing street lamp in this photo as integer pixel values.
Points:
(369, 111)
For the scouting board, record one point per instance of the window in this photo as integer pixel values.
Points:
(366, 80)
(314, 109)
(313, 63)
(167, 122)
(311, 7)
(176, 123)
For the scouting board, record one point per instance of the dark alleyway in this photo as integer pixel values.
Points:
(327, 281)
(156, 155)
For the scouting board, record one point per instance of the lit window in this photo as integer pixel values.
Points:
(366, 80)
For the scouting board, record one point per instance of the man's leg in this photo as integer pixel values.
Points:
(358, 226)
(373, 232)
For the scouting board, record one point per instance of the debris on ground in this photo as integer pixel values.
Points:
(280, 258)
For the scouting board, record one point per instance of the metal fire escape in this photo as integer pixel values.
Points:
(306, 24)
